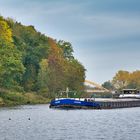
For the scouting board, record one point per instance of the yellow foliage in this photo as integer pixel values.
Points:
(125, 79)
(5, 34)
(121, 79)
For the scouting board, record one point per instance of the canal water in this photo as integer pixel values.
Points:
(38, 122)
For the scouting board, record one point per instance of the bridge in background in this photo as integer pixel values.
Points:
(97, 88)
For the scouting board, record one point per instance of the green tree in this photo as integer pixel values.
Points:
(43, 76)
(75, 75)
(108, 85)
(48, 64)
(11, 68)
(66, 48)
(34, 47)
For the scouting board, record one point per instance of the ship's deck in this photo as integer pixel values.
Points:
(105, 99)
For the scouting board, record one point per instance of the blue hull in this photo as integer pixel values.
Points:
(72, 103)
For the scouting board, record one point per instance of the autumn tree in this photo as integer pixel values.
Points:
(125, 79)
(11, 68)
(5, 34)
(36, 62)
(134, 80)
(121, 79)
(56, 64)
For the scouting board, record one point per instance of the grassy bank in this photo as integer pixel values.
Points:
(16, 98)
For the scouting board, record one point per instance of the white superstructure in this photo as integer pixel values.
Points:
(130, 93)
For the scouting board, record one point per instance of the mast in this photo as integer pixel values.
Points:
(67, 92)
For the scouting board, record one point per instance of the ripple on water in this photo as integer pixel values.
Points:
(53, 124)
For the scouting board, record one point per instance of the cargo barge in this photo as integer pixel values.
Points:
(98, 103)
(127, 98)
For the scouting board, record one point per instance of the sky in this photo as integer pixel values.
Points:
(105, 34)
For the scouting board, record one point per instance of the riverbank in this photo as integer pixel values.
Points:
(16, 98)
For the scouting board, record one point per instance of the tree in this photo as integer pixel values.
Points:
(5, 34)
(108, 85)
(134, 80)
(35, 61)
(57, 72)
(34, 47)
(66, 48)
(121, 79)
(125, 79)
(56, 63)
(11, 68)
(75, 75)
(43, 76)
